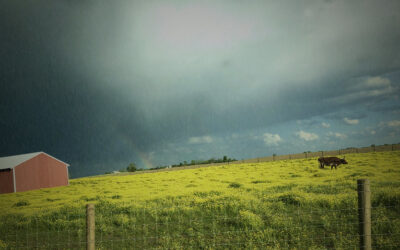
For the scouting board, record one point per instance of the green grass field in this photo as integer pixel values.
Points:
(281, 204)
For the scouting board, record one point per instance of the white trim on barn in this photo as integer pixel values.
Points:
(15, 185)
(67, 174)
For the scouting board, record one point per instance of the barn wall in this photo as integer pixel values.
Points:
(6, 182)
(41, 171)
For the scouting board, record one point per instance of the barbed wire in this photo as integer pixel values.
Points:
(214, 234)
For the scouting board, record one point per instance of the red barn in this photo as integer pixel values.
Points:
(31, 171)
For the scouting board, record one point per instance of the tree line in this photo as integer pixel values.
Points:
(133, 168)
(197, 162)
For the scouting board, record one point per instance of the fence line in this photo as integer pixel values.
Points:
(90, 227)
(364, 213)
(305, 155)
(146, 227)
(380, 148)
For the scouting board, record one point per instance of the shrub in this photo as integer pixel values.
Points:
(21, 204)
(131, 167)
(260, 181)
(250, 219)
(3, 245)
(235, 185)
(51, 200)
(289, 199)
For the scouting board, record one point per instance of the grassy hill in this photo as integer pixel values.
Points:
(281, 204)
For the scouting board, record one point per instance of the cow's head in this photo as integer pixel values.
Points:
(343, 161)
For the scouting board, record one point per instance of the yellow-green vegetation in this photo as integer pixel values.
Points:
(281, 204)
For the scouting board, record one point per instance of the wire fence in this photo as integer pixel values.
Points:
(208, 221)
(304, 155)
(309, 154)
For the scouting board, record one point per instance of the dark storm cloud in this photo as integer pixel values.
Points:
(109, 80)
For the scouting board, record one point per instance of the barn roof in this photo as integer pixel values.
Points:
(15, 160)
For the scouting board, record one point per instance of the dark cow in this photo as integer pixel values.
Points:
(331, 161)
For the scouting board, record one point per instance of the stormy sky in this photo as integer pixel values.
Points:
(100, 84)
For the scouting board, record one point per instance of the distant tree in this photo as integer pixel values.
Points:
(225, 159)
(131, 167)
(185, 163)
(193, 162)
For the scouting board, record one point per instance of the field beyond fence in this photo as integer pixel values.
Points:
(304, 155)
(266, 205)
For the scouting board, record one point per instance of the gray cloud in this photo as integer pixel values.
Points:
(306, 135)
(394, 123)
(271, 139)
(351, 121)
(200, 139)
(325, 125)
(337, 135)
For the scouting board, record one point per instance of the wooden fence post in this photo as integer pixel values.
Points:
(364, 213)
(90, 227)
